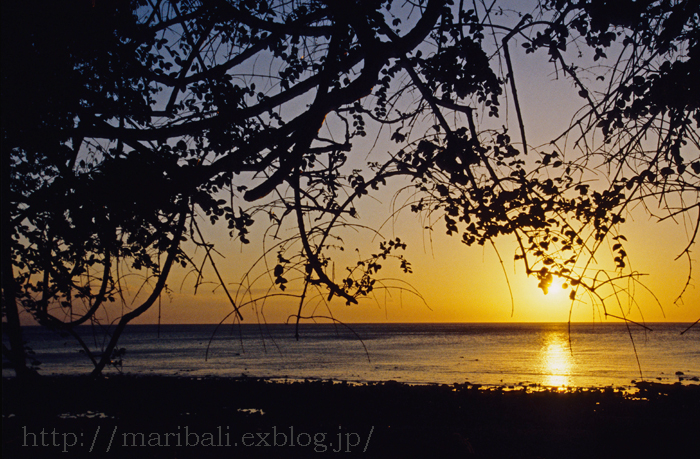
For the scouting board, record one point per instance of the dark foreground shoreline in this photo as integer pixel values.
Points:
(161, 417)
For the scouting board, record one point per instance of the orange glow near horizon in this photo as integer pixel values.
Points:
(457, 284)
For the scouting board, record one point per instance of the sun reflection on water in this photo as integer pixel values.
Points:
(555, 360)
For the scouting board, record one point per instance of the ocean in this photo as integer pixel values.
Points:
(534, 355)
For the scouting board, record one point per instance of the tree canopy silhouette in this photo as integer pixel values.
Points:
(127, 124)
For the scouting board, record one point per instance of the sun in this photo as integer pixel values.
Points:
(557, 287)
(557, 292)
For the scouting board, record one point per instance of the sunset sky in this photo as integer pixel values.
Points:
(456, 283)
(462, 284)
(468, 284)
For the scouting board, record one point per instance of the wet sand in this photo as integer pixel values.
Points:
(160, 417)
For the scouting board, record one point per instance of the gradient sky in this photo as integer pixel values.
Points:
(462, 284)
(459, 283)
(467, 284)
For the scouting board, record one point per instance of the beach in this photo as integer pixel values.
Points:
(176, 417)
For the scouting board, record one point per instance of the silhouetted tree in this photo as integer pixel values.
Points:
(126, 124)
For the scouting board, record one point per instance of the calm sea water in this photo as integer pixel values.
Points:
(590, 355)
